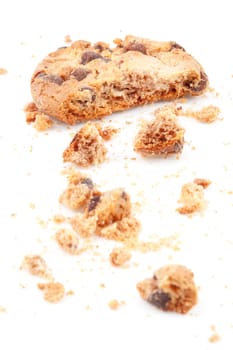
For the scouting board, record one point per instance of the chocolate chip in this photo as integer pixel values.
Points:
(80, 73)
(136, 47)
(87, 182)
(52, 78)
(124, 195)
(93, 202)
(88, 56)
(159, 299)
(176, 46)
(193, 86)
(93, 95)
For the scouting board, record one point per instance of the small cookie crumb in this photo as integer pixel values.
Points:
(30, 107)
(59, 219)
(42, 122)
(67, 39)
(215, 337)
(114, 304)
(53, 291)
(2, 309)
(208, 114)
(172, 288)
(107, 132)
(202, 182)
(68, 241)
(86, 148)
(3, 71)
(119, 256)
(37, 266)
(192, 198)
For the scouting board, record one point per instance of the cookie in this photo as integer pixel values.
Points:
(87, 81)
(172, 288)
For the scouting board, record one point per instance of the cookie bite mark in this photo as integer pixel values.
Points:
(172, 288)
(87, 147)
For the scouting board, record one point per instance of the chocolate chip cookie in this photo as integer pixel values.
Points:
(87, 81)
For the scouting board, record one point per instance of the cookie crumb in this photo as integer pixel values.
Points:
(107, 132)
(42, 122)
(68, 241)
(30, 107)
(192, 197)
(79, 190)
(87, 147)
(208, 114)
(53, 291)
(162, 136)
(3, 71)
(202, 182)
(119, 256)
(113, 304)
(67, 39)
(171, 288)
(215, 337)
(37, 266)
(59, 219)
(2, 309)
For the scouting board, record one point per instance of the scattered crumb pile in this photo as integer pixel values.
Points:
(41, 122)
(215, 337)
(192, 196)
(37, 266)
(172, 288)
(106, 214)
(162, 136)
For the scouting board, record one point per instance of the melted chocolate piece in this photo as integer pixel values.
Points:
(159, 299)
(93, 202)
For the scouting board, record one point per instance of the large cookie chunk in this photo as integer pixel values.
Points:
(85, 81)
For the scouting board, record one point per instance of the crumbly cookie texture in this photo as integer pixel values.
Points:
(172, 288)
(53, 291)
(79, 190)
(68, 241)
(87, 81)
(162, 136)
(108, 215)
(192, 196)
(119, 255)
(207, 114)
(37, 266)
(87, 147)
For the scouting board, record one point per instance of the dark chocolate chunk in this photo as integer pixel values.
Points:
(93, 95)
(90, 56)
(176, 46)
(52, 78)
(193, 86)
(93, 202)
(87, 182)
(159, 299)
(80, 73)
(136, 47)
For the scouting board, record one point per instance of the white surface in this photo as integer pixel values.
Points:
(31, 167)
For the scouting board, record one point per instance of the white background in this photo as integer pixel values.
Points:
(31, 166)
